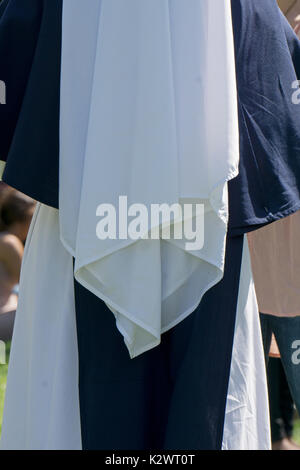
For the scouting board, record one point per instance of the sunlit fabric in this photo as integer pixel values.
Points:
(268, 66)
(169, 398)
(42, 405)
(247, 423)
(54, 392)
(139, 114)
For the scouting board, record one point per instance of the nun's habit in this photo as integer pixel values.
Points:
(186, 385)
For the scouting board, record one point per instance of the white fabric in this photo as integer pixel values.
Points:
(148, 111)
(42, 404)
(247, 424)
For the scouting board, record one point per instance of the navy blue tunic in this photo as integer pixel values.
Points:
(174, 396)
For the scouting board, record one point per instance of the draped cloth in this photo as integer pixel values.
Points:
(42, 409)
(246, 421)
(146, 116)
(41, 404)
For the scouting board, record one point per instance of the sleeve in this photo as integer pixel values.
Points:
(268, 185)
(30, 47)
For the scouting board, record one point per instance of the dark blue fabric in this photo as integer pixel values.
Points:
(30, 46)
(17, 22)
(172, 397)
(267, 62)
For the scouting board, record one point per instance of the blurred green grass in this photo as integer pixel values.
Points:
(3, 374)
(297, 431)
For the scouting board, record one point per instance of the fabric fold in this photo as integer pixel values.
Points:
(41, 409)
(247, 421)
(146, 120)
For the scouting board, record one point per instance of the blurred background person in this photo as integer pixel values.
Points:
(282, 408)
(16, 211)
(291, 9)
(275, 259)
